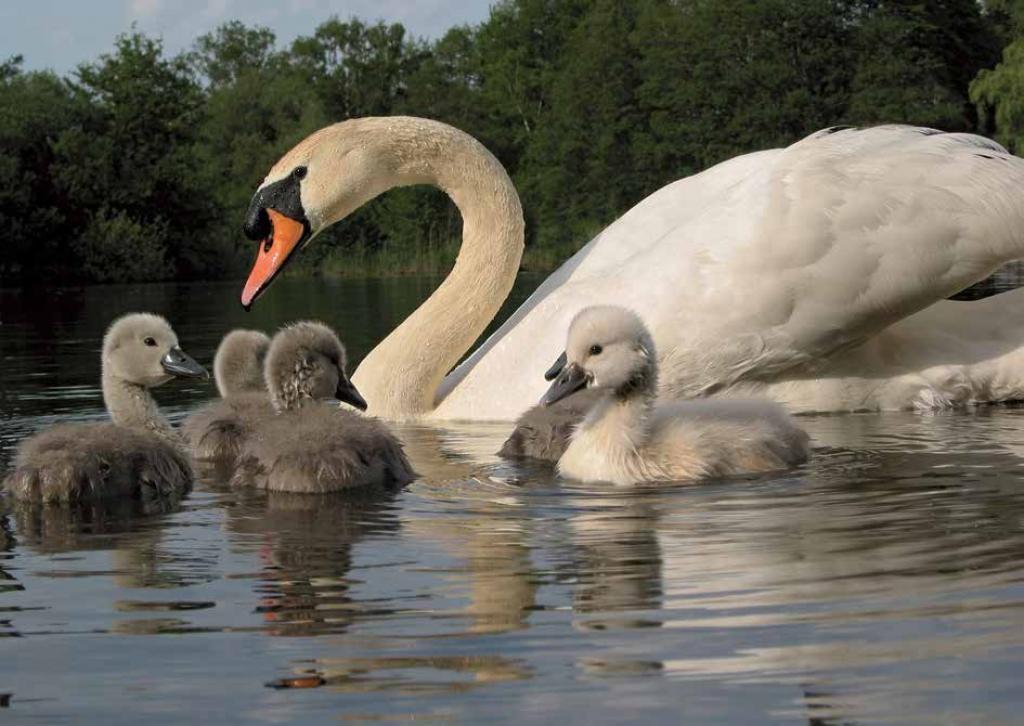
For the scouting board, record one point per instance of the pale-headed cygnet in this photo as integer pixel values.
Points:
(137, 455)
(310, 445)
(627, 438)
(216, 431)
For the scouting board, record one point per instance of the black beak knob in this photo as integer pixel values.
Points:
(257, 222)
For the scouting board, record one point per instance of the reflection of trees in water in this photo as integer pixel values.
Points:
(306, 554)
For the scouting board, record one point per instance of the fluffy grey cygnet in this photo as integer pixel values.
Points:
(543, 432)
(628, 438)
(138, 454)
(216, 431)
(238, 362)
(311, 446)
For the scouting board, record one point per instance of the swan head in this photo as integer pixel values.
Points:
(238, 364)
(608, 348)
(322, 180)
(143, 349)
(306, 362)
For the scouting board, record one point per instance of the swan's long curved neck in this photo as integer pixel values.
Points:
(400, 377)
(131, 405)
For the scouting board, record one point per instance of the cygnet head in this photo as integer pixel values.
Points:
(306, 362)
(608, 348)
(238, 364)
(142, 349)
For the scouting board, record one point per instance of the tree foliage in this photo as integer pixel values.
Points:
(139, 166)
(999, 92)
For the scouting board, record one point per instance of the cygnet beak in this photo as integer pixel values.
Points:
(552, 373)
(347, 392)
(571, 379)
(179, 363)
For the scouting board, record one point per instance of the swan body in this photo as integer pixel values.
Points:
(626, 438)
(309, 446)
(216, 431)
(950, 355)
(138, 455)
(765, 268)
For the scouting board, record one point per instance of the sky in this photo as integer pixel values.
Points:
(60, 34)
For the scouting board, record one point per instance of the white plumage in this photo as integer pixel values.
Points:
(781, 266)
(768, 268)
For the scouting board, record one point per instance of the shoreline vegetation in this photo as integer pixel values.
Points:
(138, 166)
(422, 261)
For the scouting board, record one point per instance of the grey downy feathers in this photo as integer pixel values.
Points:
(138, 454)
(215, 432)
(311, 446)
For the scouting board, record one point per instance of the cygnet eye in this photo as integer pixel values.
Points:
(150, 342)
(596, 349)
(300, 172)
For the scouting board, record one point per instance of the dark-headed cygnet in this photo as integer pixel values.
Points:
(216, 431)
(543, 432)
(309, 445)
(137, 455)
(627, 438)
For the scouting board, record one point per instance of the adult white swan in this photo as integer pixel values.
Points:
(765, 270)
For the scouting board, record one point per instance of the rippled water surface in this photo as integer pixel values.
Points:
(884, 582)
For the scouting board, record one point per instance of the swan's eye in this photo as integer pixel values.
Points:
(596, 349)
(150, 342)
(300, 172)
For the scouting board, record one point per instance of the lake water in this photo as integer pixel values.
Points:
(883, 582)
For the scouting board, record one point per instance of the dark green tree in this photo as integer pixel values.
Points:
(999, 92)
(132, 158)
(915, 61)
(231, 51)
(354, 68)
(35, 216)
(724, 77)
(141, 166)
(255, 111)
(579, 172)
(519, 51)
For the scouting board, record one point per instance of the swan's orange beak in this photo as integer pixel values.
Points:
(286, 234)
